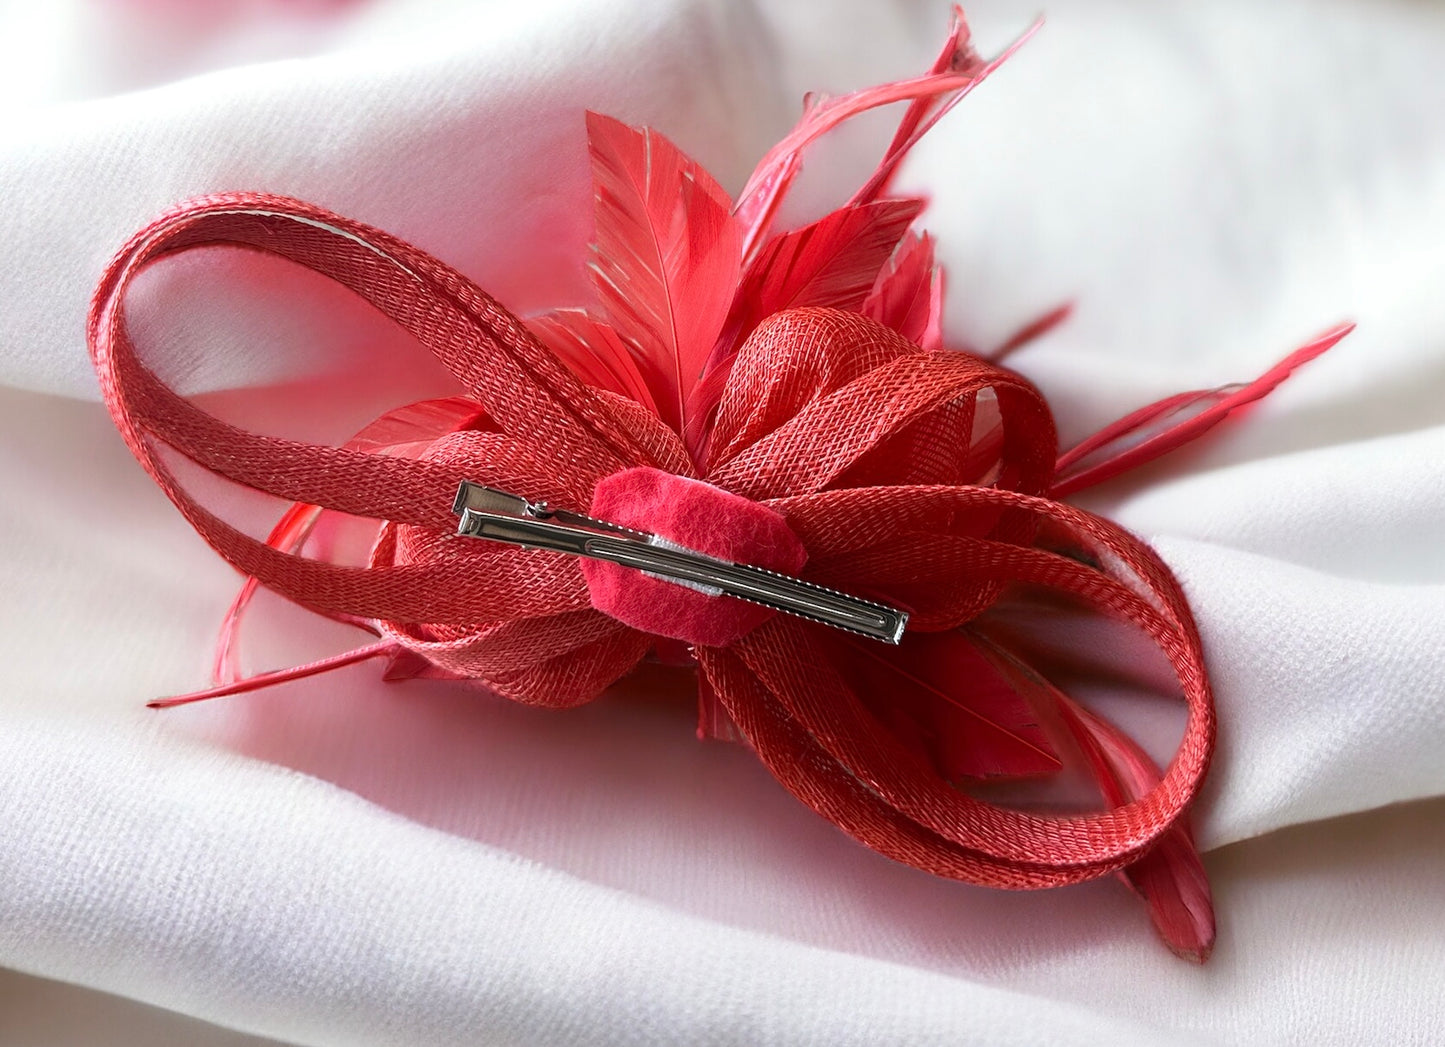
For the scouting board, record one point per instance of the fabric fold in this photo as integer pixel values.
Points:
(373, 863)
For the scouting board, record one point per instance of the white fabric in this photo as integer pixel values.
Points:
(345, 862)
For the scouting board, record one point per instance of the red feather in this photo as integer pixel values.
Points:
(939, 692)
(834, 262)
(595, 353)
(665, 257)
(958, 58)
(756, 210)
(908, 296)
(773, 176)
(1170, 877)
(953, 75)
(1029, 332)
(1169, 423)
(406, 432)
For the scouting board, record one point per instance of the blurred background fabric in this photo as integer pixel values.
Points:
(345, 862)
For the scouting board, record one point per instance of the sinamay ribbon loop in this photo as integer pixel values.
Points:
(919, 477)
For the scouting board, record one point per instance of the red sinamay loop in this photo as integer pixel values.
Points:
(843, 427)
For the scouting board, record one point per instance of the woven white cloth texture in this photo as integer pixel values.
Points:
(345, 862)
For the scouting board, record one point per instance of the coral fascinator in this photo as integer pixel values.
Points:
(754, 456)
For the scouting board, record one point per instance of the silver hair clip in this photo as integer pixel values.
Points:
(488, 513)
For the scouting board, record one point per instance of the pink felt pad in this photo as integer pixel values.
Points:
(698, 516)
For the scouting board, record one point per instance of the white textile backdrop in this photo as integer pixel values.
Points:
(344, 862)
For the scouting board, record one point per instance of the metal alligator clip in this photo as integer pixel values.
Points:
(488, 513)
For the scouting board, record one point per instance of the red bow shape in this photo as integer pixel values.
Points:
(918, 476)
